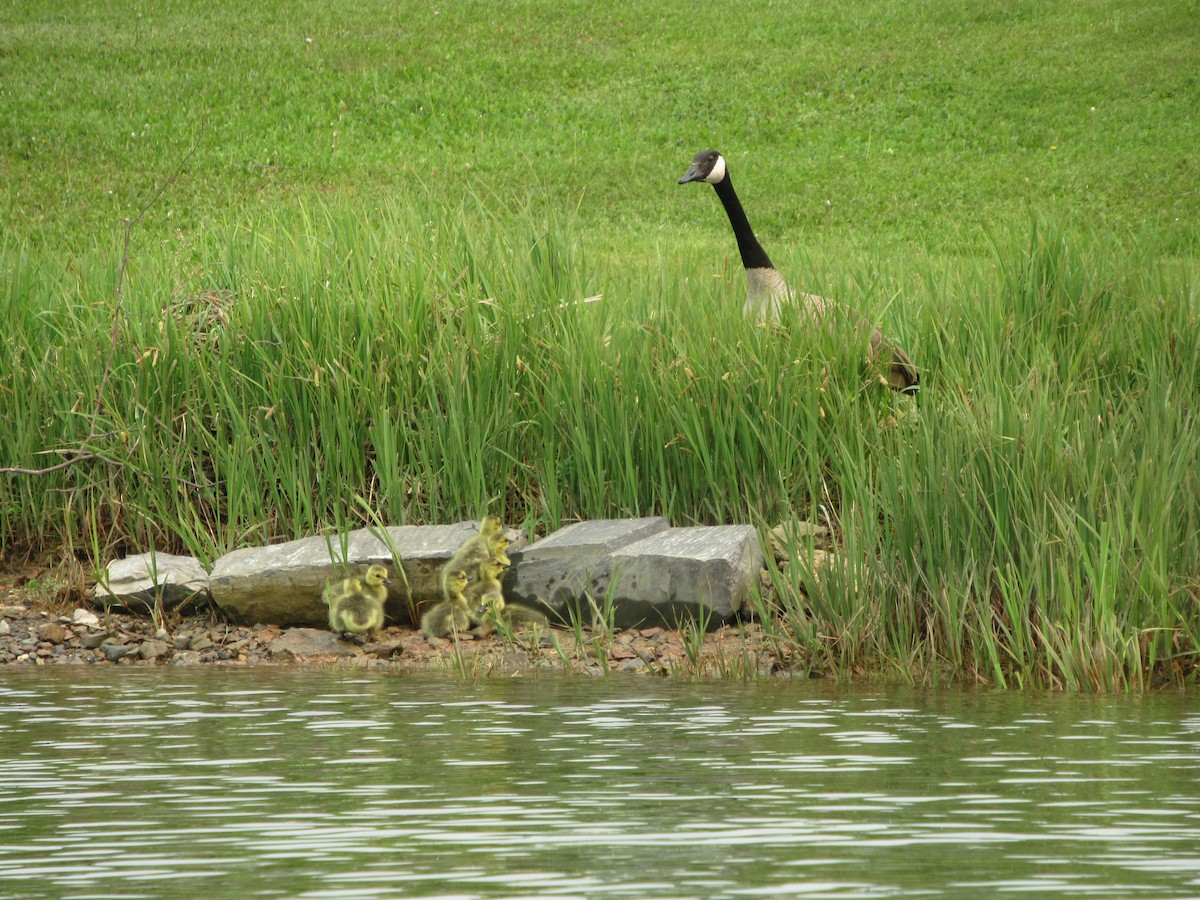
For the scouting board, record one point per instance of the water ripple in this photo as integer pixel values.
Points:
(325, 785)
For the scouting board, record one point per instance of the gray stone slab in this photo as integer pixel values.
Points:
(652, 573)
(138, 583)
(561, 570)
(282, 584)
(704, 573)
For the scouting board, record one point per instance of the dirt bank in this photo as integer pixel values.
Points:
(40, 626)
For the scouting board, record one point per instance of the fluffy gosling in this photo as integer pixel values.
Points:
(451, 614)
(487, 597)
(513, 615)
(356, 606)
(489, 544)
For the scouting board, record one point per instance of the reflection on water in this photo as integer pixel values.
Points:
(161, 783)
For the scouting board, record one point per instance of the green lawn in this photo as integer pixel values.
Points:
(357, 297)
(920, 122)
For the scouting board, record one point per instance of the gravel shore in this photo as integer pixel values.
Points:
(38, 634)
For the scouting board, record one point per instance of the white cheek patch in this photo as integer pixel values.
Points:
(717, 174)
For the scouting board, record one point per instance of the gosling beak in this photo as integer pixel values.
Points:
(387, 581)
(692, 174)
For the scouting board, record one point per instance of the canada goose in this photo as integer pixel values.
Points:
(451, 614)
(490, 543)
(765, 287)
(356, 606)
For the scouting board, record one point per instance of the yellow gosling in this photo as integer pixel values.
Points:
(451, 614)
(357, 606)
(490, 543)
(513, 615)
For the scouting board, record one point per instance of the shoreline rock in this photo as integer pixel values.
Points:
(130, 640)
(629, 571)
(150, 581)
(665, 588)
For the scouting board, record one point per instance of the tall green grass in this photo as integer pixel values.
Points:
(1040, 524)
(293, 354)
(1033, 519)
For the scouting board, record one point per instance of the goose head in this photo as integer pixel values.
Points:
(457, 580)
(493, 569)
(376, 575)
(707, 166)
(498, 546)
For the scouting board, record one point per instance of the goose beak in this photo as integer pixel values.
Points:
(692, 174)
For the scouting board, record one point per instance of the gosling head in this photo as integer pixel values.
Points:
(494, 568)
(457, 580)
(491, 525)
(707, 165)
(376, 575)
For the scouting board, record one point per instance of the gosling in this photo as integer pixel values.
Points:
(485, 598)
(490, 544)
(356, 606)
(513, 615)
(453, 613)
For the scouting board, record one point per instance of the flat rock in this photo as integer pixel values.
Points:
(136, 583)
(85, 617)
(115, 650)
(815, 563)
(153, 649)
(564, 569)
(282, 584)
(797, 537)
(93, 640)
(648, 572)
(301, 643)
(636, 571)
(704, 574)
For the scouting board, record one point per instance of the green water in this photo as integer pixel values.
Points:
(168, 783)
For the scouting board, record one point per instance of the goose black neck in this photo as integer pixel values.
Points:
(753, 255)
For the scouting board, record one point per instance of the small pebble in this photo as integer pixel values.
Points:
(52, 632)
(115, 652)
(85, 617)
(153, 649)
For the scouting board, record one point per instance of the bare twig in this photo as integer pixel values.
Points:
(66, 463)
